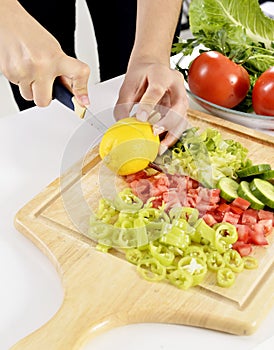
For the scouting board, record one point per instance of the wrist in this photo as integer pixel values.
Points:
(139, 56)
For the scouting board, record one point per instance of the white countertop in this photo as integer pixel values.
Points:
(31, 148)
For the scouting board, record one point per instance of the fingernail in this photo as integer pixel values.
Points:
(142, 116)
(157, 130)
(162, 149)
(85, 100)
(154, 118)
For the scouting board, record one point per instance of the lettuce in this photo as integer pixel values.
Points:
(213, 15)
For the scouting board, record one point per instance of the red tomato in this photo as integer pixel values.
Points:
(257, 234)
(244, 249)
(215, 78)
(243, 232)
(263, 93)
(240, 203)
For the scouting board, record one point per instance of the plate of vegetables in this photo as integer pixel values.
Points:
(228, 63)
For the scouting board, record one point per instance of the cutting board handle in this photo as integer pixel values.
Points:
(90, 306)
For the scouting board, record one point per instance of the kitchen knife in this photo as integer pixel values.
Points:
(63, 95)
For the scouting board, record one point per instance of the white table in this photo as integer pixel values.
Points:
(31, 148)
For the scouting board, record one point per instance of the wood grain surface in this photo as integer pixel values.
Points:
(103, 291)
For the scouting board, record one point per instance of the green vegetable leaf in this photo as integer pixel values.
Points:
(238, 30)
(208, 15)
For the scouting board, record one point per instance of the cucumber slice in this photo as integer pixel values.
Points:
(268, 175)
(245, 192)
(228, 188)
(263, 190)
(253, 170)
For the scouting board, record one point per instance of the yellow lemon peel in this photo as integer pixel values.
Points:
(128, 146)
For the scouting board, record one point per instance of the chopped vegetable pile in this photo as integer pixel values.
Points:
(205, 156)
(178, 226)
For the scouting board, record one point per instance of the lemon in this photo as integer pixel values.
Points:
(128, 146)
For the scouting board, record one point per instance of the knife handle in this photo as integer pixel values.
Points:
(63, 95)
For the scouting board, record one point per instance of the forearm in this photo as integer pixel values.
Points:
(155, 28)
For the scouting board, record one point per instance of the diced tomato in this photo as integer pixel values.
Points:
(231, 218)
(236, 210)
(139, 175)
(177, 190)
(267, 224)
(266, 215)
(244, 249)
(249, 216)
(218, 216)
(257, 235)
(223, 207)
(209, 219)
(243, 232)
(240, 203)
(222, 200)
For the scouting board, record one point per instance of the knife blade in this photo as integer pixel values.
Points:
(63, 95)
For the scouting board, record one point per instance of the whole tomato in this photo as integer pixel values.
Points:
(215, 78)
(263, 93)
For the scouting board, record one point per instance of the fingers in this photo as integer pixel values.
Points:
(150, 99)
(161, 99)
(73, 73)
(130, 93)
(26, 91)
(122, 110)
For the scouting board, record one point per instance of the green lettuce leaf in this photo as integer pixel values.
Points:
(213, 15)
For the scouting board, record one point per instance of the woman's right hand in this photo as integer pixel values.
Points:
(32, 58)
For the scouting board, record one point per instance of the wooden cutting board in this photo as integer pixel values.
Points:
(103, 290)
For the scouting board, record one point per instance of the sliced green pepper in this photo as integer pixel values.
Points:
(106, 211)
(189, 214)
(233, 260)
(215, 261)
(181, 279)
(226, 231)
(195, 252)
(161, 253)
(195, 266)
(151, 269)
(134, 255)
(250, 263)
(203, 231)
(102, 248)
(127, 201)
(176, 237)
(225, 277)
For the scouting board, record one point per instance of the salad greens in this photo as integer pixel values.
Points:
(238, 30)
(245, 14)
(205, 156)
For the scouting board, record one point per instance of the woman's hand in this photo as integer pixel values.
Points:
(32, 58)
(155, 87)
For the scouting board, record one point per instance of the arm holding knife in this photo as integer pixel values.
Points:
(32, 58)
